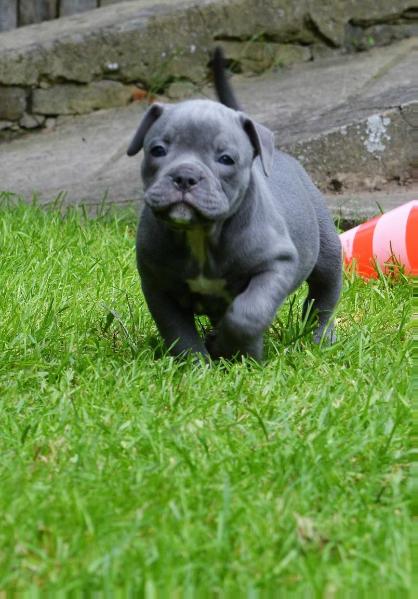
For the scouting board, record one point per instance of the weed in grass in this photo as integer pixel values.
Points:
(120, 470)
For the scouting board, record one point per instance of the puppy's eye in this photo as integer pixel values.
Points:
(226, 159)
(158, 151)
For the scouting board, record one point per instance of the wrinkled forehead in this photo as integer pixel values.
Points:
(202, 123)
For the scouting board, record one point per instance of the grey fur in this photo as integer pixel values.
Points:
(226, 240)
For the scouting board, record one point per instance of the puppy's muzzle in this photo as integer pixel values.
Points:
(176, 200)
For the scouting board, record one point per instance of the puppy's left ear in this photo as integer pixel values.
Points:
(152, 114)
(262, 140)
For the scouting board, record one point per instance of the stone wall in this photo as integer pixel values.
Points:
(18, 13)
(133, 50)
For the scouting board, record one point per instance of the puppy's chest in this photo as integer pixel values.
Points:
(207, 288)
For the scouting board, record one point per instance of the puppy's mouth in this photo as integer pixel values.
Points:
(186, 205)
(178, 213)
(181, 216)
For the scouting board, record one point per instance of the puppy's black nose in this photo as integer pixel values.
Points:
(184, 178)
(184, 182)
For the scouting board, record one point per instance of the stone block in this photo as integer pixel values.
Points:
(12, 103)
(71, 7)
(69, 98)
(257, 57)
(364, 38)
(5, 125)
(8, 14)
(36, 11)
(31, 121)
(181, 89)
(329, 20)
(373, 150)
(50, 123)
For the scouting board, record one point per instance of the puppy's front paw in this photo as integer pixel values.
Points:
(325, 335)
(221, 346)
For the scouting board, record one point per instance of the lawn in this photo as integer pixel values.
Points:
(124, 469)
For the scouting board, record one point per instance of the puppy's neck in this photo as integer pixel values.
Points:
(197, 240)
(200, 240)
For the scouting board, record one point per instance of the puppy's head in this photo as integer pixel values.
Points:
(197, 160)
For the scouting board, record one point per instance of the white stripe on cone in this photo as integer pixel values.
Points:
(347, 240)
(390, 236)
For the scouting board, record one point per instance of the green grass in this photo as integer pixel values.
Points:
(124, 469)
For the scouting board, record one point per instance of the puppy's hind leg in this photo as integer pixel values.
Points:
(325, 283)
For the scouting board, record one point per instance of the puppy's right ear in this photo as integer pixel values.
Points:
(152, 114)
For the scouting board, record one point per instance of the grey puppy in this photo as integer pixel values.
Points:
(230, 227)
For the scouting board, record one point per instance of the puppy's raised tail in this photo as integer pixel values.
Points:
(223, 88)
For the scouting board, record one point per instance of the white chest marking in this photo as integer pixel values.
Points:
(206, 286)
(202, 284)
(197, 243)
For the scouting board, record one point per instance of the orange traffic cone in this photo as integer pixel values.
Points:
(391, 238)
